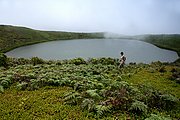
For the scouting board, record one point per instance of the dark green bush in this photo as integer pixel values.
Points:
(3, 60)
(138, 107)
(77, 61)
(104, 61)
(108, 61)
(36, 60)
(21, 78)
(162, 69)
(4, 83)
(156, 99)
(168, 101)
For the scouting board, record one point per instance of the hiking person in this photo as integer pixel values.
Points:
(122, 60)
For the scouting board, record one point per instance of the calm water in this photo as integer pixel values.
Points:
(135, 51)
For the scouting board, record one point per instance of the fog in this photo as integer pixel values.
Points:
(115, 16)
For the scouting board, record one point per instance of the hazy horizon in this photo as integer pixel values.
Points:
(116, 16)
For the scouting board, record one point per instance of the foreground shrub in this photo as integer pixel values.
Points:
(22, 86)
(36, 60)
(175, 75)
(77, 61)
(1, 89)
(157, 117)
(162, 69)
(157, 99)
(138, 107)
(3, 60)
(4, 83)
(102, 109)
(168, 101)
(104, 61)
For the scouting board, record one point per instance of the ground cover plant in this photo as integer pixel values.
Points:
(88, 89)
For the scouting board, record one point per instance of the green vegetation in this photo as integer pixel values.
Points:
(79, 89)
(3, 60)
(12, 37)
(92, 89)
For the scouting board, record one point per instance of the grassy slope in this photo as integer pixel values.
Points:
(12, 37)
(47, 102)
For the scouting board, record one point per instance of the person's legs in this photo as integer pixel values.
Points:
(121, 65)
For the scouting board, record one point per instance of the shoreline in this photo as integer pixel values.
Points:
(162, 47)
(42, 41)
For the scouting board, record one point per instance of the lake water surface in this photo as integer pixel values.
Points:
(135, 51)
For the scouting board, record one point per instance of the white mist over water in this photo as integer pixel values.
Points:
(116, 16)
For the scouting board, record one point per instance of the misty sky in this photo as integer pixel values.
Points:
(118, 16)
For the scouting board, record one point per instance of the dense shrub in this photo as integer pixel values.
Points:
(157, 99)
(162, 69)
(22, 85)
(36, 60)
(175, 75)
(157, 117)
(168, 101)
(104, 61)
(3, 60)
(4, 83)
(138, 107)
(18, 61)
(77, 61)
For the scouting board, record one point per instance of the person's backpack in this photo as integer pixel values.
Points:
(124, 58)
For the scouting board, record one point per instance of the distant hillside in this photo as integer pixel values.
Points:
(167, 41)
(12, 37)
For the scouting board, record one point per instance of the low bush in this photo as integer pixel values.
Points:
(77, 61)
(37, 60)
(3, 60)
(157, 117)
(104, 61)
(138, 107)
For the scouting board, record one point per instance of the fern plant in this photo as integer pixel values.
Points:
(35, 84)
(157, 117)
(88, 104)
(115, 85)
(72, 98)
(102, 109)
(93, 94)
(4, 83)
(138, 107)
(168, 101)
(1, 89)
(22, 86)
